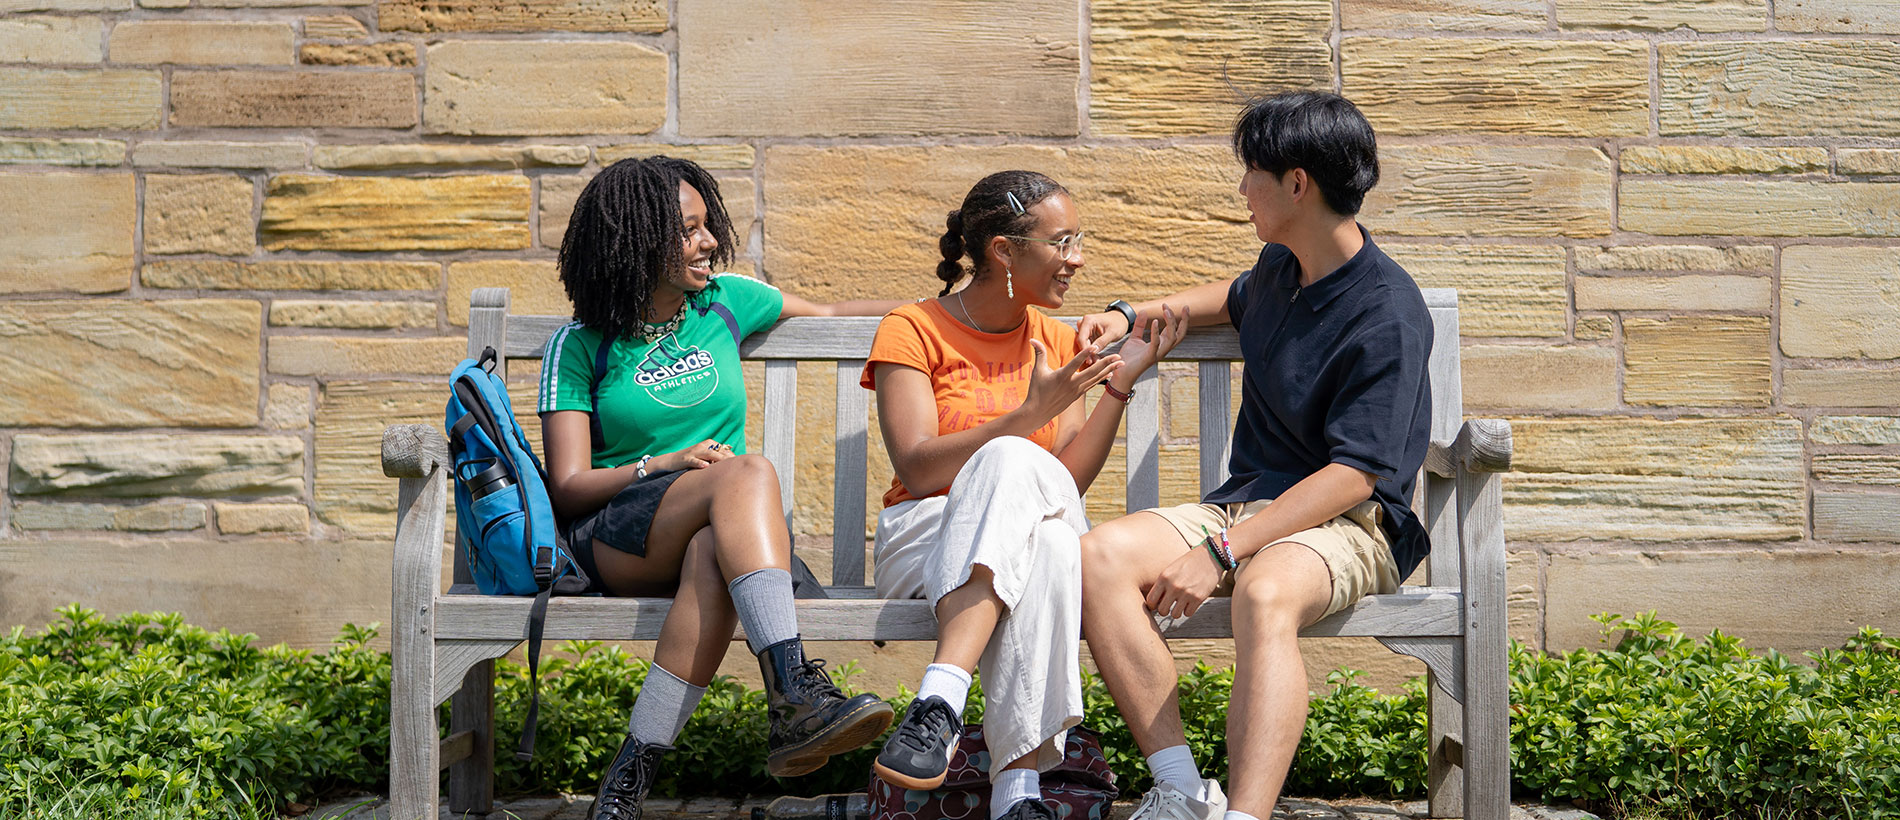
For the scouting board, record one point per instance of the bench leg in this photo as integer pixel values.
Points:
(472, 709)
(1444, 770)
(414, 753)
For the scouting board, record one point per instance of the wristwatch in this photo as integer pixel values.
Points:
(1126, 310)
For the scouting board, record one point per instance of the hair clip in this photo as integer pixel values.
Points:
(1014, 203)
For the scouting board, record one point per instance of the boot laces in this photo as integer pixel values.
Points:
(929, 722)
(623, 793)
(810, 676)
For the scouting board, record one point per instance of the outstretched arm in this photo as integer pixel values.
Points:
(800, 306)
(1204, 304)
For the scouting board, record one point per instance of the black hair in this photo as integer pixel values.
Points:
(624, 237)
(988, 212)
(1320, 132)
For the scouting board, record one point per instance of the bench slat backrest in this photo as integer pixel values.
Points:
(846, 340)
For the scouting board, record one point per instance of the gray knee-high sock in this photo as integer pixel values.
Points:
(763, 599)
(663, 706)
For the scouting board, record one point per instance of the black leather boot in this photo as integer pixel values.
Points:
(811, 719)
(627, 781)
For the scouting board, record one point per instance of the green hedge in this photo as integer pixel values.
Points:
(149, 710)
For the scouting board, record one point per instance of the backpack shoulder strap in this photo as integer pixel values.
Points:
(593, 391)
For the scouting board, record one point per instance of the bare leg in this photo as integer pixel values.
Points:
(1283, 588)
(1120, 562)
(699, 627)
(966, 618)
(737, 498)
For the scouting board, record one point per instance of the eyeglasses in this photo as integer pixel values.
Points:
(1067, 247)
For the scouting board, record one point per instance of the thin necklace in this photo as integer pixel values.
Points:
(972, 322)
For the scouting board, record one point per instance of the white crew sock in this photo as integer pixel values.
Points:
(1012, 786)
(1238, 815)
(663, 706)
(947, 682)
(1175, 766)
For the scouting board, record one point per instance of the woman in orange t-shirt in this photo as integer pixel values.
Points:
(980, 399)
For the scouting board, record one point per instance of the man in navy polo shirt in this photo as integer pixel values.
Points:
(1334, 418)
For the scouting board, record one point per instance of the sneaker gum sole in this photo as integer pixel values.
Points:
(844, 734)
(904, 781)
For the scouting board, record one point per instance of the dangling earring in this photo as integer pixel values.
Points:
(1009, 281)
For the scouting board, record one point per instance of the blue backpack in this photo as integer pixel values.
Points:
(502, 512)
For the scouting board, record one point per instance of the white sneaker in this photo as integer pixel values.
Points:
(1165, 802)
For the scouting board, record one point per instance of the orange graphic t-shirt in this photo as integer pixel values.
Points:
(977, 376)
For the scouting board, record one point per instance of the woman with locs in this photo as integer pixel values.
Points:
(980, 400)
(647, 470)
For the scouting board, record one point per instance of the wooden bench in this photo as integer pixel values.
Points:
(443, 644)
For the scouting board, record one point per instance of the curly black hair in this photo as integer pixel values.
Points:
(624, 237)
(989, 212)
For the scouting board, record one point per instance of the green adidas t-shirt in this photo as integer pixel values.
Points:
(670, 393)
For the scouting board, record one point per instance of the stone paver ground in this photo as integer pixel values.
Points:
(568, 807)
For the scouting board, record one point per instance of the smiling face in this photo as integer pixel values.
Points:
(1041, 272)
(697, 243)
(1270, 200)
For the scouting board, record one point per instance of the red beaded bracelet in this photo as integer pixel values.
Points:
(1117, 394)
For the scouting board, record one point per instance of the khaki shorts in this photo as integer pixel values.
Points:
(1353, 545)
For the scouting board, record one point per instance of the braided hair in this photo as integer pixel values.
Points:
(624, 238)
(990, 210)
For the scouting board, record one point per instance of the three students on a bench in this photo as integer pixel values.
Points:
(985, 518)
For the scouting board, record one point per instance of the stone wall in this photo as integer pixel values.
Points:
(237, 237)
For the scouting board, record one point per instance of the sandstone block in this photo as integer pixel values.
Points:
(213, 154)
(1107, 499)
(12, 6)
(66, 232)
(352, 315)
(1701, 15)
(294, 99)
(1840, 387)
(303, 212)
(79, 99)
(1539, 378)
(1879, 469)
(1845, 515)
(359, 355)
(1819, 88)
(1503, 290)
(287, 407)
(1450, 190)
(1841, 16)
(51, 40)
(710, 157)
(1129, 196)
(382, 157)
(202, 42)
(1759, 208)
(157, 517)
(239, 4)
(200, 213)
(1454, 15)
(1160, 69)
(129, 465)
(333, 27)
(1750, 293)
(163, 4)
(1547, 87)
(1594, 328)
(1671, 258)
(61, 152)
(477, 87)
(251, 519)
(174, 362)
(386, 55)
(1840, 302)
(1722, 159)
(1643, 479)
(1696, 360)
(1703, 591)
(1870, 431)
(291, 274)
(263, 586)
(542, 15)
(534, 286)
(1869, 160)
(863, 67)
(557, 198)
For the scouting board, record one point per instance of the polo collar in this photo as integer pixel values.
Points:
(1321, 293)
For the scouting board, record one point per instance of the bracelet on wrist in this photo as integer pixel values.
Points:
(640, 468)
(1216, 549)
(1117, 394)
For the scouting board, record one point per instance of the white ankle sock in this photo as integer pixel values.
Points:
(1175, 766)
(1238, 815)
(1012, 786)
(947, 682)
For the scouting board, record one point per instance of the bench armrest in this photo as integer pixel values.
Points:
(413, 450)
(1482, 446)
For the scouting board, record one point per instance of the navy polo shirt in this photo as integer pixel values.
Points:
(1333, 373)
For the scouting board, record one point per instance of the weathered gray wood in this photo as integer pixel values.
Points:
(421, 505)
(456, 748)
(488, 325)
(1487, 729)
(454, 659)
(848, 476)
(413, 450)
(1482, 446)
(1444, 773)
(472, 712)
(1216, 391)
(1443, 656)
(781, 421)
(1143, 443)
